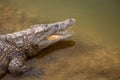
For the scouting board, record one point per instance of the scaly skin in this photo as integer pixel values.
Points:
(17, 47)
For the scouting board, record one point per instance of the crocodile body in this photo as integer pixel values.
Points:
(15, 48)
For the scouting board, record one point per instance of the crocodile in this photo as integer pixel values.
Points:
(17, 47)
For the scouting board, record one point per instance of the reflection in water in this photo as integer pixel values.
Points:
(57, 46)
(80, 58)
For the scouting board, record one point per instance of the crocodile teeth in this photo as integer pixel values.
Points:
(61, 32)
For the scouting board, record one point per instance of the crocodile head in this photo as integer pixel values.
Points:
(47, 34)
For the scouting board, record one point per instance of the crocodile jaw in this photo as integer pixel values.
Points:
(62, 33)
(56, 32)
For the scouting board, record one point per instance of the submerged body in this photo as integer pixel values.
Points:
(17, 47)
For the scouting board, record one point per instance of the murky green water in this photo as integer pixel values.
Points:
(98, 19)
(93, 51)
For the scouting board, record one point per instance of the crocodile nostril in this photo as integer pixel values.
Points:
(71, 21)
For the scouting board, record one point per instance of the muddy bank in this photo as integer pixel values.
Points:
(13, 19)
(67, 60)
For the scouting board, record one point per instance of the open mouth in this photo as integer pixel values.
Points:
(62, 30)
(59, 35)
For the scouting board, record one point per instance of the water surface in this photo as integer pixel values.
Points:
(91, 54)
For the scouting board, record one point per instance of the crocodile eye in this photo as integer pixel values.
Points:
(46, 27)
(36, 45)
